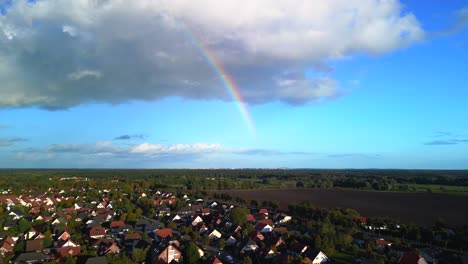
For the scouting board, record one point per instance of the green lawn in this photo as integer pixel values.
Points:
(343, 257)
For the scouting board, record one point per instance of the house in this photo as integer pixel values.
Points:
(164, 211)
(59, 221)
(263, 228)
(215, 234)
(203, 229)
(64, 252)
(318, 257)
(31, 257)
(35, 245)
(15, 215)
(147, 225)
(196, 220)
(31, 233)
(231, 241)
(381, 243)
(277, 242)
(256, 236)
(214, 260)
(284, 219)
(130, 237)
(65, 236)
(10, 223)
(164, 233)
(118, 227)
(250, 218)
(249, 245)
(297, 249)
(67, 244)
(97, 232)
(411, 257)
(200, 251)
(6, 247)
(361, 220)
(186, 211)
(166, 254)
(108, 248)
(205, 211)
(97, 260)
(234, 229)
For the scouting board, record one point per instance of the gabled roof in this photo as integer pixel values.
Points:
(261, 226)
(257, 236)
(382, 242)
(68, 251)
(132, 236)
(116, 224)
(97, 231)
(164, 233)
(97, 260)
(66, 244)
(411, 257)
(34, 245)
(31, 256)
(250, 218)
(6, 247)
(64, 236)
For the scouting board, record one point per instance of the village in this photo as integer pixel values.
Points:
(153, 226)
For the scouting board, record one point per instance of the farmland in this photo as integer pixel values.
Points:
(418, 208)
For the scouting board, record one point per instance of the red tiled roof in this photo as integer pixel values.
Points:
(163, 233)
(250, 218)
(381, 242)
(68, 251)
(132, 236)
(409, 258)
(97, 231)
(117, 224)
(6, 246)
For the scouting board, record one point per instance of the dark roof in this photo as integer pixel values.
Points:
(31, 256)
(34, 245)
(132, 236)
(97, 260)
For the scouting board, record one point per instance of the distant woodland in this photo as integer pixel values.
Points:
(439, 181)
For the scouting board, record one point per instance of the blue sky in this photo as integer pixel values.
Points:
(369, 85)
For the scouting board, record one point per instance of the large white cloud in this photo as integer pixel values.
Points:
(61, 53)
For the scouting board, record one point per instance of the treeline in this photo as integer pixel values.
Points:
(228, 179)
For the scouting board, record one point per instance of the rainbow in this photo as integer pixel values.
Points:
(223, 74)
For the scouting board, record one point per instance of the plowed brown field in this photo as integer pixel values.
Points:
(418, 208)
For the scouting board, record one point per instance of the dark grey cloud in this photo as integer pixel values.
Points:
(129, 137)
(57, 54)
(6, 142)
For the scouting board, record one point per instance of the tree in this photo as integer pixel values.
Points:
(191, 253)
(24, 225)
(247, 260)
(138, 255)
(239, 215)
(70, 260)
(222, 243)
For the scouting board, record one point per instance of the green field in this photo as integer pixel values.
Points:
(438, 188)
